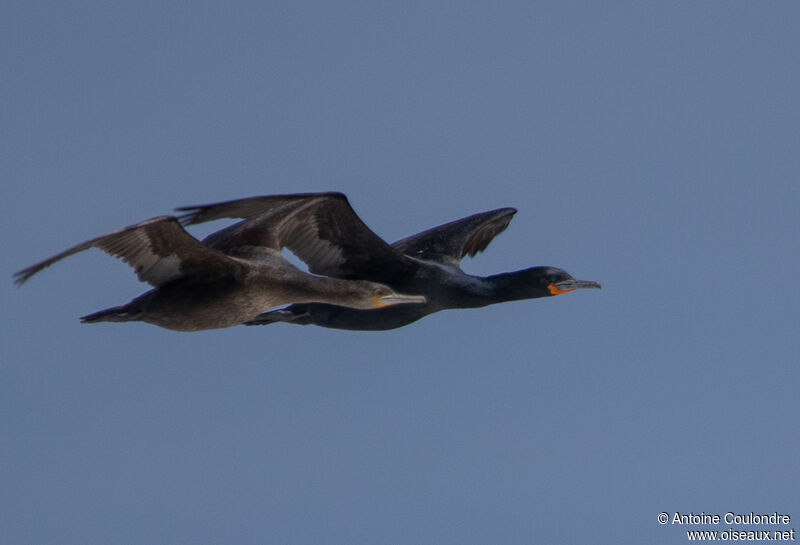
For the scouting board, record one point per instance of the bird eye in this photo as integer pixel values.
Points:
(553, 278)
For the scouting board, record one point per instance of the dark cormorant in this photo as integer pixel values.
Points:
(323, 230)
(197, 287)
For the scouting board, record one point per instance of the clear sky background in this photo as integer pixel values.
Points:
(651, 146)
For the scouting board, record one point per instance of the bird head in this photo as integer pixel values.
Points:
(552, 281)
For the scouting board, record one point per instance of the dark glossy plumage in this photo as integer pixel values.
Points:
(324, 231)
(198, 287)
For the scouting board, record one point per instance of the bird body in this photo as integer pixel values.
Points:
(187, 305)
(445, 289)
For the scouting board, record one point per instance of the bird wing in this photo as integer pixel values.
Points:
(158, 249)
(322, 229)
(450, 242)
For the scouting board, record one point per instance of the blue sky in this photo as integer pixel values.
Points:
(651, 146)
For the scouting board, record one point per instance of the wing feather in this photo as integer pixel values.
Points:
(159, 250)
(449, 243)
(321, 229)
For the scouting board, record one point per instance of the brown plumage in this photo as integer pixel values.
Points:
(198, 287)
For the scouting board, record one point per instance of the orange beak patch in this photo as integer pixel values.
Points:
(554, 290)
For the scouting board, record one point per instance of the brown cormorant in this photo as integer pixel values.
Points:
(323, 230)
(198, 287)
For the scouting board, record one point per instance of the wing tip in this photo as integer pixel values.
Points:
(20, 277)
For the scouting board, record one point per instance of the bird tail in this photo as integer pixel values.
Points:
(113, 314)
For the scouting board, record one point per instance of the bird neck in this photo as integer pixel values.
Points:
(513, 286)
(333, 291)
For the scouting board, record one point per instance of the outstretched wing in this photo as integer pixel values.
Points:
(158, 249)
(450, 242)
(322, 229)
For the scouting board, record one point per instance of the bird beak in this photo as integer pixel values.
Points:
(566, 286)
(397, 299)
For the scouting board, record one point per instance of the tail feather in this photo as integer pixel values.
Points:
(113, 314)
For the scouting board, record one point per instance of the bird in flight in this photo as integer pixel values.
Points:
(324, 231)
(197, 287)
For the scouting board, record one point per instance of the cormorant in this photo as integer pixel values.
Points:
(197, 287)
(323, 230)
